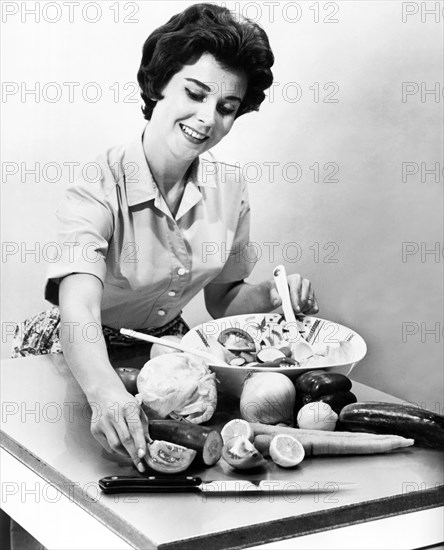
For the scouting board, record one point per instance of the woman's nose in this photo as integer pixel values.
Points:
(207, 112)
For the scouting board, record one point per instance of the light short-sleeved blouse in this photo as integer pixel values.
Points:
(151, 264)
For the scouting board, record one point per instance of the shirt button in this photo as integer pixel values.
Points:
(171, 293)
(161, 312)
(181, 271)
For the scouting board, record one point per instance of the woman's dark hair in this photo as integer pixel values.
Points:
(239, 45)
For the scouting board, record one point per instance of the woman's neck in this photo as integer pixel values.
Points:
(168, 172)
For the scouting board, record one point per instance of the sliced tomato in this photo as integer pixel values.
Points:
(168, 458)
(237, 339)
(241, 454)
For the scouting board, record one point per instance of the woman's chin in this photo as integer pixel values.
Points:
(190, 151)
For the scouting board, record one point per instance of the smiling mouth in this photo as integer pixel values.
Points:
(189, 132)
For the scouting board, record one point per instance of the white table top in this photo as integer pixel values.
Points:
(45, 424)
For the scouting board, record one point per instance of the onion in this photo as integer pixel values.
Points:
(267, 397)
(317, 416)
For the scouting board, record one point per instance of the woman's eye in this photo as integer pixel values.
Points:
(227, 109)
(194, 96)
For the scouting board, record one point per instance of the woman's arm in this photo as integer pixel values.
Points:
(224, 300)
(121, 426)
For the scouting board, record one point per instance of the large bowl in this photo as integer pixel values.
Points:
(319, 332)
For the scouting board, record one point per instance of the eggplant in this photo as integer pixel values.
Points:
(424, 426)
(330, 387)
(339, 400)
(318, 383)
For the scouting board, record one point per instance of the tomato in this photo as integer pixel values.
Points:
(237, 339)
(241, 454)
(168, 458)
(286, 350)
(129, 378)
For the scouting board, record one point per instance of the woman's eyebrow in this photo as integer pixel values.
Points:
(208, 89)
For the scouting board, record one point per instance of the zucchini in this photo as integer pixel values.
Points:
(206, 441)
(425, 427)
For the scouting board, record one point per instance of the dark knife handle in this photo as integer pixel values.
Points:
(150, 484)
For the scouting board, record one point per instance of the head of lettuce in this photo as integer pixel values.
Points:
(178, 385)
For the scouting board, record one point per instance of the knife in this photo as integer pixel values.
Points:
(154, 484)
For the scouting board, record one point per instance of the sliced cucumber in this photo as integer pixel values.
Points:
(269, 354)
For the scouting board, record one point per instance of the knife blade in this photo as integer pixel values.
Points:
(155, 484)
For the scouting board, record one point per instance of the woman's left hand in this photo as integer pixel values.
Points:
(302, 295)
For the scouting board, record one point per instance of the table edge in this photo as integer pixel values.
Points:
(241, 537)
(104, 515)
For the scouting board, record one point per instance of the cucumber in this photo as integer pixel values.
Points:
(425, 427)
(206, 441)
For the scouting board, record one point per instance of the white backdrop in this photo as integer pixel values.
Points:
(344, 160)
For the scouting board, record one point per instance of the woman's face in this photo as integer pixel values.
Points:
(198, 108)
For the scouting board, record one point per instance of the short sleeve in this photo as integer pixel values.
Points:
(84, 229)
(243, 255)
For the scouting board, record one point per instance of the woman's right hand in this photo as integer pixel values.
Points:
(119, 424)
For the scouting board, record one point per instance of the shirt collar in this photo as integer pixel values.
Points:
(139, 182)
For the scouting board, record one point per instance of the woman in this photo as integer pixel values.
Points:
(136, 242)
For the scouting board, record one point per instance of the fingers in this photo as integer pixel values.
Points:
(305, 292)
(130, 432)
(102, 439)
(312, 306)
(308, 302)
(298, 291)
(294, 283)
(308, 298)
(302, 295)
(145, 426)
(137, 433)
(275, 299)
(108, 438)
(124, 433)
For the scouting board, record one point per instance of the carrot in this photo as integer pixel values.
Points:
(317, 442)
